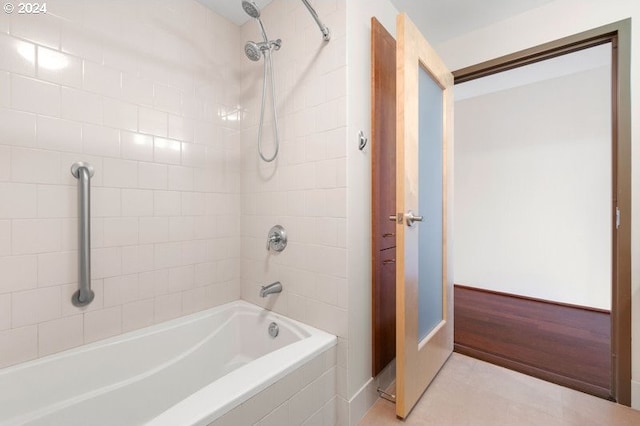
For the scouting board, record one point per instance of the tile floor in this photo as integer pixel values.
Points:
(472, 392)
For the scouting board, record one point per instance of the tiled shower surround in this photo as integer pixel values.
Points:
(160, 98)
(304, 190)
(148, 93)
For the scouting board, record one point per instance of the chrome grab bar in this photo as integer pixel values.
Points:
(83, 172)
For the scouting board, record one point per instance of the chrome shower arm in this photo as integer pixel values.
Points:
(326, 34)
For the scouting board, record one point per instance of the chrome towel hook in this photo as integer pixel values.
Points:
(362, 140)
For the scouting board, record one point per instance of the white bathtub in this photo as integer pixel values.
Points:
(187, 371)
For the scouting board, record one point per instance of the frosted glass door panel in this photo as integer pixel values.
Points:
(424, 326)
(430, 201)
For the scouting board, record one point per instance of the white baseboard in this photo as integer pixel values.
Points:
(362, 401)
(635, 394)
(367, 395)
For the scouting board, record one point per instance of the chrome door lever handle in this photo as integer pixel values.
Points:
(412, 218)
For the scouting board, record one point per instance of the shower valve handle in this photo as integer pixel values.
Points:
(273, 239)
(276, 238)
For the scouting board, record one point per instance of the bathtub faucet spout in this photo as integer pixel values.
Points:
(271, 288)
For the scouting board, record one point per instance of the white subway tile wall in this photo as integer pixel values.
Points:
(141, 90)
(304, 190)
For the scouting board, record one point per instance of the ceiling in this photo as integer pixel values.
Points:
(439, 20)
(232, 9)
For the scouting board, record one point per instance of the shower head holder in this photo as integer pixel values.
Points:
(254, 50)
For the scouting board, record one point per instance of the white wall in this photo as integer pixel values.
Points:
(139, 90)
(550, 22)
(533, 188)
(361, 388)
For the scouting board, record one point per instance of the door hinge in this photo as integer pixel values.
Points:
(617, 217)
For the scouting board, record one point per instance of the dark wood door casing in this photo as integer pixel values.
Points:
(619, 35)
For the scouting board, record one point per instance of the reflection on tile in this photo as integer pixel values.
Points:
(166, 151)
(471, 392)
(17, 56)
(41, 28)
(136, 146)
(59, 68)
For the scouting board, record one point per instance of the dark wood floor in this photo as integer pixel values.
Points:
(562, 344)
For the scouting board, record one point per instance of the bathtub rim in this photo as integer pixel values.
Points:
(230, 390)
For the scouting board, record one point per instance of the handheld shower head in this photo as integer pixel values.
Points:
(251, 9)
(252, 50)
(255, 52)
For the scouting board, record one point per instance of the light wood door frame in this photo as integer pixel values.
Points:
(418, 360)
(619, 35)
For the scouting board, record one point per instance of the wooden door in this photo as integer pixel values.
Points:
(383, 197)
(424, 287)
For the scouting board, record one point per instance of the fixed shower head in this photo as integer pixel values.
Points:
(251, 9)
(252, 50)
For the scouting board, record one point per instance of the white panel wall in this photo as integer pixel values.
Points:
(559, 19)
(361, 387)
(142, 91)
(533, 189)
